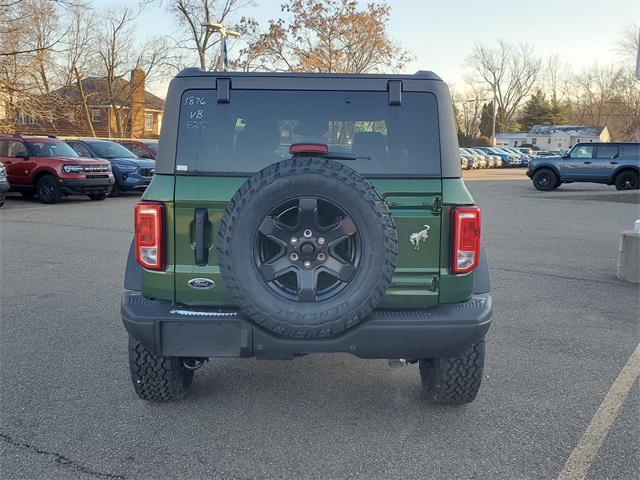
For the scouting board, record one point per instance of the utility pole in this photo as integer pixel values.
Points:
(223, 61)
(493, 123)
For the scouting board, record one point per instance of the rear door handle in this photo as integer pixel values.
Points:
(613, 163)
(202, 218)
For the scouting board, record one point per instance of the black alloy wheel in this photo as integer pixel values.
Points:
(307, 249)
(48, 190)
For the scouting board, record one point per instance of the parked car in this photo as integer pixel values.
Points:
(464, 163)
(131, 173)
(244, 250)
(526, 150)
(482, 159)
(49, 168)
(4, 184)
(142, 148)
(508, 159)
(610, 163)
(497, 161)
(472, 161)
(523, 156)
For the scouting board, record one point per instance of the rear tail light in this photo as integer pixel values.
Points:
(149, 235)
(466, 239)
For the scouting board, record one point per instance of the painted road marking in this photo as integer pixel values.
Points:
(584, 454)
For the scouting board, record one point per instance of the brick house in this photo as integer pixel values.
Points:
(139, 112)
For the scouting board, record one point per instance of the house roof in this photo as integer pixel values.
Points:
(514, 135)
(572, 130)
(96, 89)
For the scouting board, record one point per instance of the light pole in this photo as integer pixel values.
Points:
(493, 123)
(223, 61)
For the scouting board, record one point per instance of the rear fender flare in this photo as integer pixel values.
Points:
(133, 272)
(481, 280)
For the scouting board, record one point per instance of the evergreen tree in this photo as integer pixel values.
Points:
(486, 120)
(537, 111)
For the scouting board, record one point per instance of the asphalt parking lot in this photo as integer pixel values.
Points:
(564, 327)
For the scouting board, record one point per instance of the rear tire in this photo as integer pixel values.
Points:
(49, 190)
(455, 380)
(545, 180)
(627, 180)
(157, 378)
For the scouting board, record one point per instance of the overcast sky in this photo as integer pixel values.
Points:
(440, 34)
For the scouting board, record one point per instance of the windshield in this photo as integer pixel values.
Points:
(256, 128)
(153, 146)
(51, 148)
(111, 150)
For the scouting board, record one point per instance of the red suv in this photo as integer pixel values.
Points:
(49, 168)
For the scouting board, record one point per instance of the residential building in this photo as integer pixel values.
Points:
(563, 137)
(133, 113)
(511, 139)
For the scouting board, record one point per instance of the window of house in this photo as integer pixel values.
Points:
(148, 121)
(549, 140)
(95, 115)
(534, 140)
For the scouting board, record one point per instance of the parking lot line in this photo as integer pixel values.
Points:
(585, 452)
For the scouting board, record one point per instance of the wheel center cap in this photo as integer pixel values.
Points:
(307, 249)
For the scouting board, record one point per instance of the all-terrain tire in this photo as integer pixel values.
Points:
(293, 179)
(48, 189)
(627, 180)
(545, 180)
(157, 378)
(455, 380)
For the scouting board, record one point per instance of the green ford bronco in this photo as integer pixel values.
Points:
(307, 213)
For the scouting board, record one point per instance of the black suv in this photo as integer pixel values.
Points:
(306, 213)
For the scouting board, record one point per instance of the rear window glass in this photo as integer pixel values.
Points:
(257, 127)
(630, 151)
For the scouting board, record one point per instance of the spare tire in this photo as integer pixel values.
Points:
(307, 247)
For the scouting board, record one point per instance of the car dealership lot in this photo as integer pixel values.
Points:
(563, 329)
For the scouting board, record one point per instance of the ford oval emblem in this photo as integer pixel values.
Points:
(201, 283)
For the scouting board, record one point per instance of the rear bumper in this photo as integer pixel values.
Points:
(86, 186)
(172, 330)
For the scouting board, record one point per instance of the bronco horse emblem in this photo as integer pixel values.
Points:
(421, 236)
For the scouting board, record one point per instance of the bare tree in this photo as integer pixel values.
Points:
(191, 14)
(469, 108)
(510, 71)
(82, 57)
(628, 42)
(326, 36)
(119, 54)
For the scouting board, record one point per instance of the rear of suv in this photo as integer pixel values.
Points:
(307, 213)
(49, 168)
